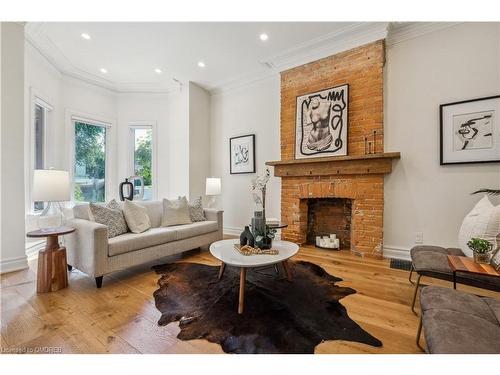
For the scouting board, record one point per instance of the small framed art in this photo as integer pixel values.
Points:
(470, 131)
(242, 154)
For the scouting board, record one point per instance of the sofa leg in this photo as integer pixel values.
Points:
(419, 333)
(70, 267)
(415, 295)
(98, 281)
(411, 273)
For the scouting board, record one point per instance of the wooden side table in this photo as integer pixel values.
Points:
(466, 264)
(52, 264)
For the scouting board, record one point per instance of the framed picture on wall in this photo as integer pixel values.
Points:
(470, 131)
(242, 154)
(321, 123)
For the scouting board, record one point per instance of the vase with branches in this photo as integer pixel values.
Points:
(262, 233)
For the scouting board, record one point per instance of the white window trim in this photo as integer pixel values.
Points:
(71, 117)
(131, 150)
(36, 99)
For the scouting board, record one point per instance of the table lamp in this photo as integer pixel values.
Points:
(51, 186)
(213, 188)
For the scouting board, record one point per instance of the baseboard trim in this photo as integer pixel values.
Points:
(13, 264)
(396, 252)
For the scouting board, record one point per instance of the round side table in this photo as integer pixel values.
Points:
(52, 272)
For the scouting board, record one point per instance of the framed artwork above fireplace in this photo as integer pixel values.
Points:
(321, 123)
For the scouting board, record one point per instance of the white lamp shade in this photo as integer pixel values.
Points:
(213, 186)
(50, 185)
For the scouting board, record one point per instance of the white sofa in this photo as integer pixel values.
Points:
(90, 251)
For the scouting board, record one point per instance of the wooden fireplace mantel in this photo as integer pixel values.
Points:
(336, 165)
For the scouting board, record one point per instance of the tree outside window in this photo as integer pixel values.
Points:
(90, 163)
(143, 158)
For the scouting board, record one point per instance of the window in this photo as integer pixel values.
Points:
(142, 141)
(89, 177)
(39, 151)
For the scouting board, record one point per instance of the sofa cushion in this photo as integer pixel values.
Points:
(155, 211)
(136, 216)
(110, 215)
(136, 241)
(196, 210)
(175, 212)
(194, 229)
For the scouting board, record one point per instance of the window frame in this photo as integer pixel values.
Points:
(36, 100)
(74, 117)
(132, 126)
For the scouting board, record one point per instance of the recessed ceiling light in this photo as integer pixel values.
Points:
(85, 36)
(201, 64)
(264, 37)
(103, 70)
(158, 71)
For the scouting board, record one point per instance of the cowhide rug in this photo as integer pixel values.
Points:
(279, 317)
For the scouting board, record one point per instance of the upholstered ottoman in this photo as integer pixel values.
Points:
(456, 322)
(432, 261)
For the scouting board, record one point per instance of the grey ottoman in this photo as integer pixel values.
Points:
(456, 322)
(432, 261)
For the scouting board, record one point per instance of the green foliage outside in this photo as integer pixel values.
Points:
(143, 158)
(90, 154)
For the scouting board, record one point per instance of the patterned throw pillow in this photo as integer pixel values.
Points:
(196, 210)
(110, 215)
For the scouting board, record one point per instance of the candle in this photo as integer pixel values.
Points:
(333, 236)
(318, 240)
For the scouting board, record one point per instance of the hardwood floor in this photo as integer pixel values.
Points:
(121, 317)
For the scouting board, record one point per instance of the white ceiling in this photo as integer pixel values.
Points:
(232, 52)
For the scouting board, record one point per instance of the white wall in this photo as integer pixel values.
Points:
(457, 63)
(12, 254)
(199, 140)
(178, 143)
(252, 109)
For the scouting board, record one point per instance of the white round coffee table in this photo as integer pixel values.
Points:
(224, 251)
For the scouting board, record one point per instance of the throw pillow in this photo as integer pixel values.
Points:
(196, 210)
(175, 212)
(136, 216)
(110, 215)
(482, 222)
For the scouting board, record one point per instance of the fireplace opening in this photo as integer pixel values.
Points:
(329, 215)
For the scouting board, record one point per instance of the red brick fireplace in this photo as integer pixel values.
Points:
(357, 177)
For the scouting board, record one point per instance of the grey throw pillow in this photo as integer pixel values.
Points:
(175, 212)
(110, 215)
(136, 217)
(196, 210)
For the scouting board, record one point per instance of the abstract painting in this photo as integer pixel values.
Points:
(321, 123)
(470, 131)
(242, 154)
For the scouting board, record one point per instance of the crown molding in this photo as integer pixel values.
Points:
(36, 36)
(349, 37)
(412, 30)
